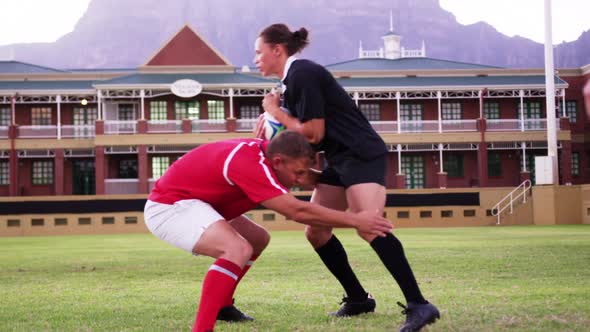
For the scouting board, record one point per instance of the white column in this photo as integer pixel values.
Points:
(523, 146)
(521, 93)
(13, 110)
(231, 103)
(356, 98)
(399, 121)
(439, 96)
(142, 96)
(99, 104)
(563, 103)
(550, 94)
(480, 95)
(58, 100)
(440, 155)
(399, 159)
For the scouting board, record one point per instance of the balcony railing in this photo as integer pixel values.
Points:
(4, 132)
(384, 126)
(208, 126)
(118, 127)
(121, 186)
(518, 125)
(37, 131)
(245, 125)
(164, 126)
(419, 126)
(78, 131)
(459, 125)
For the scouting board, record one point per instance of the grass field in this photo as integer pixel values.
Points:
(483, 279)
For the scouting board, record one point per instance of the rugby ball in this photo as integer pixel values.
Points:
(272, 127)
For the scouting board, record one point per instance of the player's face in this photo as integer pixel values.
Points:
(292, 172)
(265, 57)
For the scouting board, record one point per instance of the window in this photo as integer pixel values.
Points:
(43, 172)
(571, 110)
(491, 110)
(494, 164)
(249, 112)
(451, 111)
(40, 116)
(84, 116)
(5, 116)
(126, 112)
(216, 109)
(531, 110)
(453, 165)
(158, 110)
(411, 112)
(4, 173)
(371, 111)
(575, 163)
(159, 166)
(127, 169)
(186, 110)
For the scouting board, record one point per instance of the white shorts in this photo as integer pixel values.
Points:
(181, 224)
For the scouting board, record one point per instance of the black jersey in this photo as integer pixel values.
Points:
(313, 93)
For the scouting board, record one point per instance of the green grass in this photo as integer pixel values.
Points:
(530, 278)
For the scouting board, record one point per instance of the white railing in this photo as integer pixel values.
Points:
(518, 125)
(77, 131)
(419, 126)
(37, 131)
(208, 126)
(245, 125)
(384, 126)
(459, 125)
(413, 53)
(508, 200)
(164, 126)
(4, 132)
(121, 186)
(151, 183)
(116, 127)
(371, 54)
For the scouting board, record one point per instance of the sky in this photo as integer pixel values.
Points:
(26, 21)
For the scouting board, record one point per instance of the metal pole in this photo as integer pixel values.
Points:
(231, 103)
(550, 94)
(58, 100)
(399, 121)
(142, 96)
(439, 96)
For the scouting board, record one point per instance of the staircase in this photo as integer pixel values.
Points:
(516, 196)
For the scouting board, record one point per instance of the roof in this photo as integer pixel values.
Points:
(209, 78)
(17, 67)
(378, 64)
(446, 81)
(46, 85)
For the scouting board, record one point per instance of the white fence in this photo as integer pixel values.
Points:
(79, 131)
(37, 131)
(208, 126)
(121, 186)
(384, 126)
(245, 125)
(4, 131)
(164, 126)
(419, 126)
(518, 125)
(112, 127)
(459, 125)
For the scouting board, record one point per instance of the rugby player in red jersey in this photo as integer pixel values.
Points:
(199, 202)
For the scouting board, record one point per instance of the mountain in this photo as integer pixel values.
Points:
(126, 33)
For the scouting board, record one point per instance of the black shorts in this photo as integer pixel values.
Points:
(347, 170)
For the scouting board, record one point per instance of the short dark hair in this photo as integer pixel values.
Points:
(279, 33)
(290, 144)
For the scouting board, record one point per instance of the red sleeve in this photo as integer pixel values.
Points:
(249, 171)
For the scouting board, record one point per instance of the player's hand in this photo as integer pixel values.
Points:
(372, 223)
(259, 128)
(271, 103)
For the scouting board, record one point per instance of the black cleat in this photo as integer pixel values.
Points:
(418, 315)
(232, 314)
(351, 308)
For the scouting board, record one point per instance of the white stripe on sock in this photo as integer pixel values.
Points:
(224, 271)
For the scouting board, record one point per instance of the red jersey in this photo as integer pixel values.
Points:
(233, 176)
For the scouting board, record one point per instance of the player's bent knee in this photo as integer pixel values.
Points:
(318, 236)
(239, 251)
(366, 236)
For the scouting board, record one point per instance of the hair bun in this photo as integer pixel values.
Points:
(300, 34)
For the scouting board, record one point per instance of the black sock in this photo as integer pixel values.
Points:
(391, 252)
(334, 257)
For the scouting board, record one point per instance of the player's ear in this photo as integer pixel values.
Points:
(276, 160)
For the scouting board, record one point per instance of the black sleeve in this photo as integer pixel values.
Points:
(308, 95)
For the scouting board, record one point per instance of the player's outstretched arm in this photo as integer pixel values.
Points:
(317, 215)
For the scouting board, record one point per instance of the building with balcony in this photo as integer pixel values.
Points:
(447, 124)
